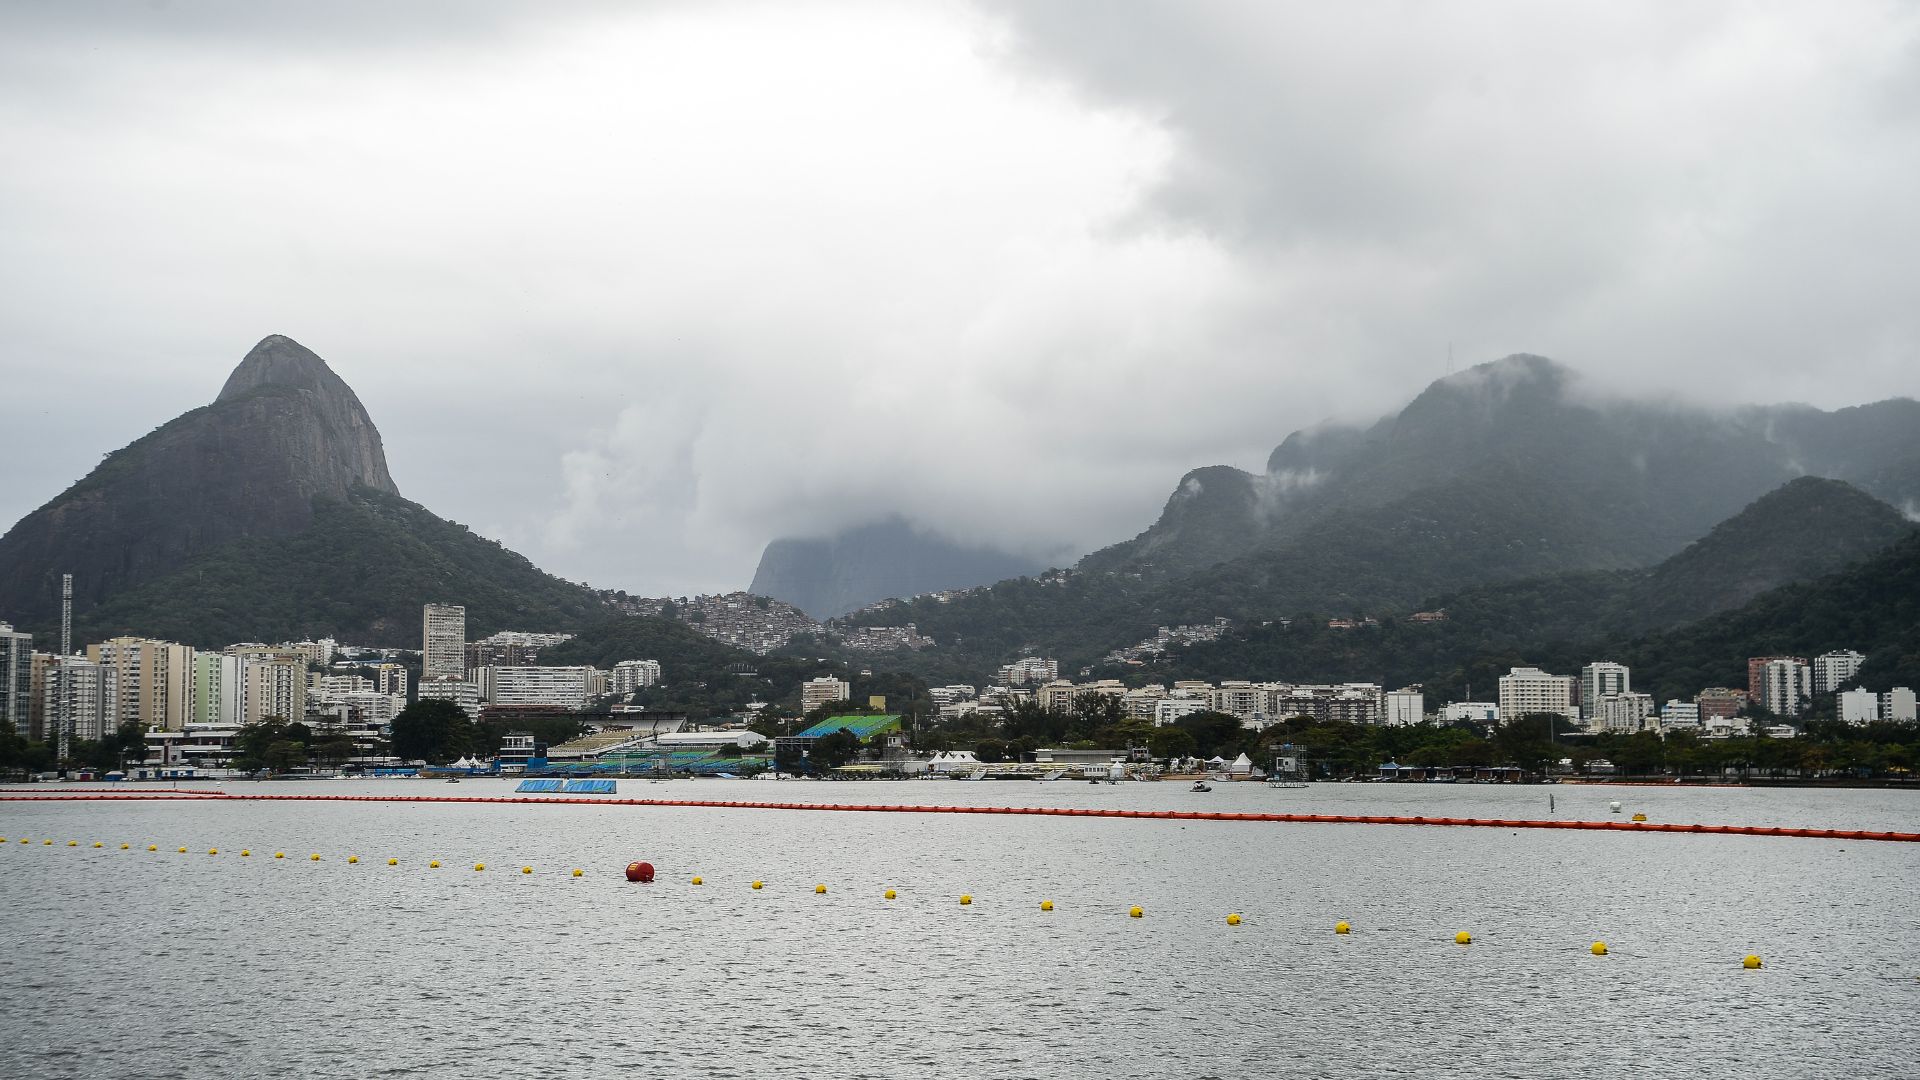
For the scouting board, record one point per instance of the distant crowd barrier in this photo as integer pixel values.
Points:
(1033, 811)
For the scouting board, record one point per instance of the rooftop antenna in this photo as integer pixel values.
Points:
(66, 614)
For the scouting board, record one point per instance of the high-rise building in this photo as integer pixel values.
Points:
(568, 687)
(1832, 670)
(1898, 705)
(273, 683)
(81, 700)
(1526, 690)
(16, 681)
(1406, 706)
(1621, 713)
(630, 675)
(1598, 679)
(154, 680)
(1756, 666)
(459, 691)
(1786, 686)
(820, 691)
(1677, 715)
(1859, 706)
(216, 689)
(443, 652)
(390, 679)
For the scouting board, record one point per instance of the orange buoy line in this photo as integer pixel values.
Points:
(1038, 811)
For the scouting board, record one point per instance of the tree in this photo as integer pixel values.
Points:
(1214, 733)
(834, 749)
(1171, 742)
(284, 755)
(432, 730)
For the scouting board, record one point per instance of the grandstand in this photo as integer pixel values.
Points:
(598, 743)
(659, 763)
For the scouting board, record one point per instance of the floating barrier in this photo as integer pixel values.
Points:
(1038, 811)
(592, 787)
(540, 787)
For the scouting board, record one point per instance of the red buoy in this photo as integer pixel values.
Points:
(639, 871)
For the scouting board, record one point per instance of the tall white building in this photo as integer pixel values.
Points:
(1406, 706)
(567, 687)
(80, 699)
(459, 691)
(1621, 713)
(443, 649)
(1030, 671)
(16, 681)
(1859, 706)
(1470, 712)
(1526, 690)
(273, 683)
(216, 689)
(1898, 705)
(155, 680)
(1832, 670)
(1169, 709)
(1678, 715)
(1786, 686)
(1598, 679)
(817, 692)
(630, 675)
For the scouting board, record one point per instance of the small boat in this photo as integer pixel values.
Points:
(453, 779)
(1202, 785)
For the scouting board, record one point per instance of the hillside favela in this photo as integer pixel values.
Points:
(994, 541)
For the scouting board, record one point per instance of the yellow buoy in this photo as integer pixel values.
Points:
(758, 884)
(1233, 918)
(965, 900)
(1639, 817)
(577, 872)
(73, 843)
(890, 894)
(393, 862)
(245, 853)
(279, 854)
(1135, 912)
(819, 888)
(697, 880)
(49, 843)
(1463, 938)
(183, 851)
(353, 858)
(1342, 928)
(123, 847)
(1750, 962)
(96, 843)
(434, 865)
(1599, 948)
(479, 866)
(526, 869)
(1046, 905)
(213, 851)
(314, 857)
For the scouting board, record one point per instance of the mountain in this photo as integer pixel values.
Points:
(1806, 530)
(1509, 471)
(270, 514)
(830, 577)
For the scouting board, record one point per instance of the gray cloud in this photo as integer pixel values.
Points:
(637, 289)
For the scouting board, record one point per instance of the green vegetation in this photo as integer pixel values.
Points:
(360, 572)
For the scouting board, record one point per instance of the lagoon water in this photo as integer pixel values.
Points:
(159, 964)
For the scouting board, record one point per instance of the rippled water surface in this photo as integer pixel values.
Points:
(137, 963)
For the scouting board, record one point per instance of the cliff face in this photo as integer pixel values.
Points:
(284, 431)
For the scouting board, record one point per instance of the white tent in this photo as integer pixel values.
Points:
(1242, 766)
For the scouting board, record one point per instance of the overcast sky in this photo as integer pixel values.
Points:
(635, 289)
